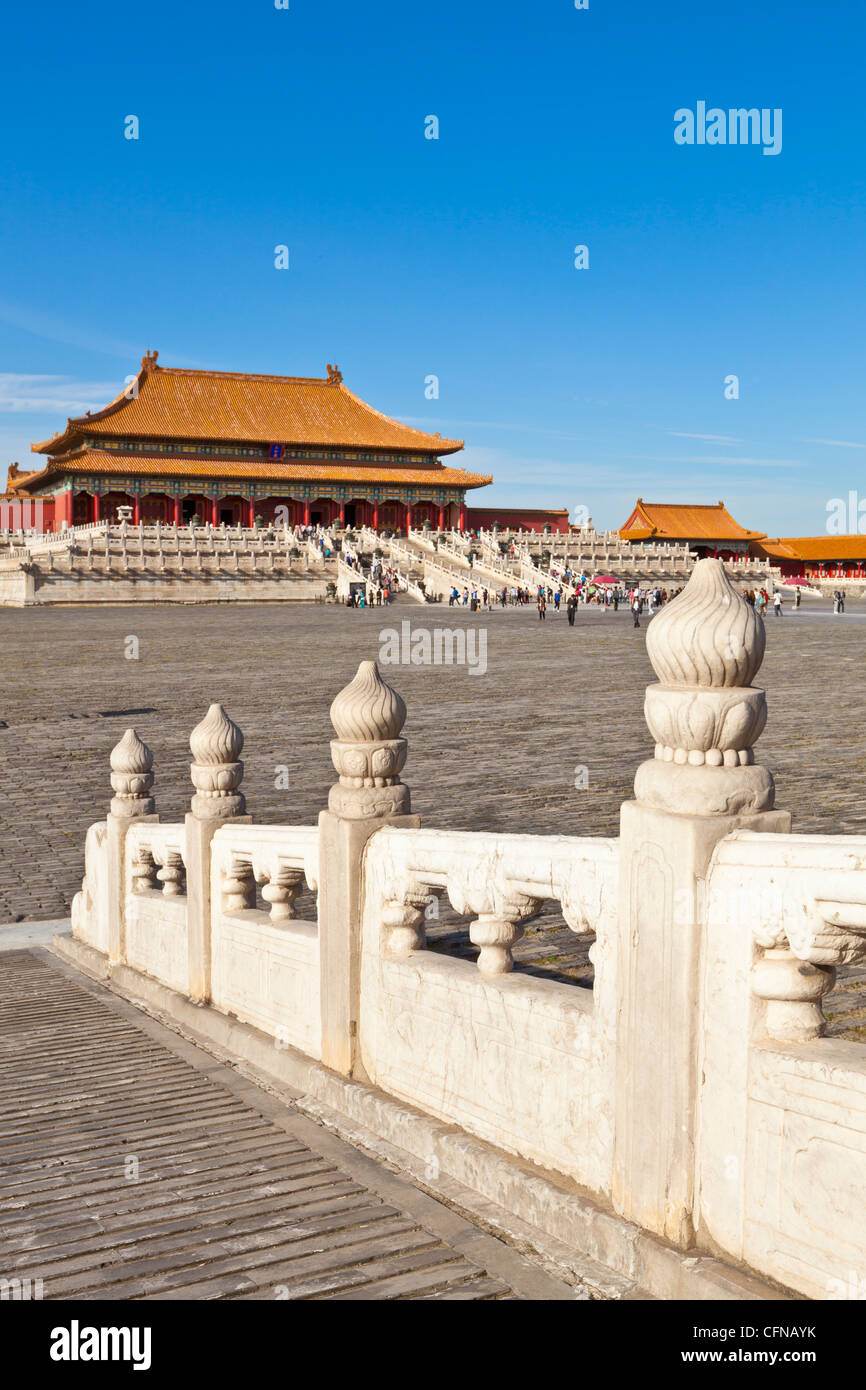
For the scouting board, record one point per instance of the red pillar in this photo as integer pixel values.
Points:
(251, 512)
(342, 513)
(306, 513)
(96, 506)
(375, 516)
(408, 517)
(214, 513)
(441, 518)
(136, 509)
(177, 509)
(462, 521)
(62, 509)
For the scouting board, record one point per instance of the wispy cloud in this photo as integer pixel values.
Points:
(22, 394)
(59, 331)
(837, 443)
(727, 462)
(710, 438)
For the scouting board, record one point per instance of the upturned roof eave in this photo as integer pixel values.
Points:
(86, 459)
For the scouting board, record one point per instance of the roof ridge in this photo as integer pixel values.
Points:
(244, 376)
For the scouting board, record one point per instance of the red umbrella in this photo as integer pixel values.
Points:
(800, 583)
(605, 579)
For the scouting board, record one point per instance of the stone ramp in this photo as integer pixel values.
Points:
(136, 1166)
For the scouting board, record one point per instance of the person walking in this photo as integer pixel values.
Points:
(777, 604)
(635, 610)
(797, 598)
(542, 606)
(570, 607)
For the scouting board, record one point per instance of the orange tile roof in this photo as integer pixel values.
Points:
(682, 521)
(818, 547)
(776, 550)
(294, 470)
(184, 403)
(15, 478)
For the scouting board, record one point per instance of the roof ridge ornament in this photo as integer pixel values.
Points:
(335, 376)
(148, 361)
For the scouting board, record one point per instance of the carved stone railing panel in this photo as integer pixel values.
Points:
(807, 908)
(501, 880)
(281, 858)
(156, 855)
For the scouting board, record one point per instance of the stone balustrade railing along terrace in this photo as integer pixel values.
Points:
(688, 1107)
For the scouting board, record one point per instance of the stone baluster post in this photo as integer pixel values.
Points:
(281, 890)
(706, 647)
(793, 990)
(131, 780)
(217, 773)
(369, 756)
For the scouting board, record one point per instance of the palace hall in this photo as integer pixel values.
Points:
(708, 529)
(233, 446)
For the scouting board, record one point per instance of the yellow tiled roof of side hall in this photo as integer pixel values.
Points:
(186, 403)
(684, 521)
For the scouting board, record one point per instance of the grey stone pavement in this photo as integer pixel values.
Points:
(497, 751)
(137, 1166)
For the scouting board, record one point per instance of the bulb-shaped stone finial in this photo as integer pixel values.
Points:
(131, 777)
(217, 771)
(368, 710)
(131, 754)
(368, 752)
(217, 739)
(704, 714)
(708, 636)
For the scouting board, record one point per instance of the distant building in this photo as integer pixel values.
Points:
(517, 519)
(710, 530)
(230, 446)
(817, 557)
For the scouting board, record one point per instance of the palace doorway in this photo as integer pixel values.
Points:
(230, 511)
(196, 506)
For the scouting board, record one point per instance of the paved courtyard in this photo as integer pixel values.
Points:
(137, 1166)
(498, 751)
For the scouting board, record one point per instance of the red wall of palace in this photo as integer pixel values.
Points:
(27, 513)
(515, 518)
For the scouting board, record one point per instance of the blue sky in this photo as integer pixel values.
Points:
(454, 257)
